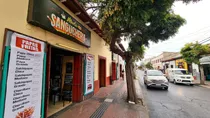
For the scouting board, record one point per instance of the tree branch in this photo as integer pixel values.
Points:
(92, 7)
(114, 48)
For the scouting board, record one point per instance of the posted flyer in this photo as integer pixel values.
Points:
(24, 81)
(89, 73)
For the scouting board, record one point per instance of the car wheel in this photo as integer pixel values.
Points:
(166, 88)
(174, 81)
(191, 84)
(148, 87)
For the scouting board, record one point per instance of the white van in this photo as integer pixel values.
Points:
(178, 75)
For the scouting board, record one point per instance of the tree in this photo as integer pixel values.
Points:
(192, 52)
(138, 21)
(149, 65)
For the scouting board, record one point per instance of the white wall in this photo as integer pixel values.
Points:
(172, 63)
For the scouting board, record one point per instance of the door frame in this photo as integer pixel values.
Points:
(101, 58)
(47, 87)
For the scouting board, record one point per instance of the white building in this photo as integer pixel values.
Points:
(157, 61)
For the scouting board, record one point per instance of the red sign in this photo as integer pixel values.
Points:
(28, 45)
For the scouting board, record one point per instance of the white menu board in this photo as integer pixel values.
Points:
(89, 73)
(24, 81)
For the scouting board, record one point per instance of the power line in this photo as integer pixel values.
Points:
(204, 39)
(198, 32)
(207, 39)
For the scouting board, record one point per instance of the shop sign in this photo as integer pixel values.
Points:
(181, 63)
(24, 80)
(48, 15)
(205, 60)
(89, 74)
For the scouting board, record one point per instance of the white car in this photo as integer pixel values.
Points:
(155, 78)
(178, 75)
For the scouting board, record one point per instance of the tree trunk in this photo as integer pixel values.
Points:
(129, 78)
(202, 78)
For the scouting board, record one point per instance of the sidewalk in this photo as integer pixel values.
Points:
(109, 102)
(207, 84)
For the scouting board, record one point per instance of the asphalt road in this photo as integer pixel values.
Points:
(180, 101)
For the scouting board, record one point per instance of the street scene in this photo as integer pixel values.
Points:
(104, 59)
(181, 101)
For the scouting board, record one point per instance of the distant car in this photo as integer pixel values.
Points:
(179, 75)
(155, 78)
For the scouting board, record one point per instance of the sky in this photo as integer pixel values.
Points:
(197, 28)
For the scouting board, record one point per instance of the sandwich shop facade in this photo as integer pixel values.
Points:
(52, 56)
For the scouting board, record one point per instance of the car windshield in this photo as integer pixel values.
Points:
(154, 73)
(181, 72)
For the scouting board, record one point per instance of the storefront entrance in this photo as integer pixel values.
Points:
(102, 72)
(114, 71)
(63, 85)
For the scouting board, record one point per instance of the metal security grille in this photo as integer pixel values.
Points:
(101, 110)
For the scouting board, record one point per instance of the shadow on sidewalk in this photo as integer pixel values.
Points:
(117, 108)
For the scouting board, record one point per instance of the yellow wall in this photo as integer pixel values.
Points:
(13, 15)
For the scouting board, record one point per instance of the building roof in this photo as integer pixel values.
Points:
(80, 12)
(172, 56)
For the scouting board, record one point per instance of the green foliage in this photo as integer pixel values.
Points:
(140, 67)
(192, 52)
(149, 65)
(127, 19)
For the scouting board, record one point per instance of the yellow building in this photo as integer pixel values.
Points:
(70, 38)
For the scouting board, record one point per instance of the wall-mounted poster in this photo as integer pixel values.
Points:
(89, 74)
(24, 80)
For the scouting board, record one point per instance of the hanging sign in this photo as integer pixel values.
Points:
(49, 16)
(89, 73)
(24, 80)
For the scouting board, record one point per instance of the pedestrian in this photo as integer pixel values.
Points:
(123, 74)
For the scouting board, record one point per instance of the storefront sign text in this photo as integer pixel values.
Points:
(49, 16)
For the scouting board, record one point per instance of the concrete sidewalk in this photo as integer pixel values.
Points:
(207, 84)
(109, 102)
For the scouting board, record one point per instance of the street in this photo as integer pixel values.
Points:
(180, 101)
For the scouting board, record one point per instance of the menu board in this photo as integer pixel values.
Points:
(89, 73)
(24, 80)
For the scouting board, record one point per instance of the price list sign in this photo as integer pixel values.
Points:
(24, 81)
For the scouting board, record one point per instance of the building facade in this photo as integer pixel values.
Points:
(176, 61)
(65, 47)
(157, 61)
(118, 67)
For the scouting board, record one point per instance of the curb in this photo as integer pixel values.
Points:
(140, 95)
(205, 85)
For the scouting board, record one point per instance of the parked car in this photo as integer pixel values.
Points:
(156, 79)
(179, 75)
